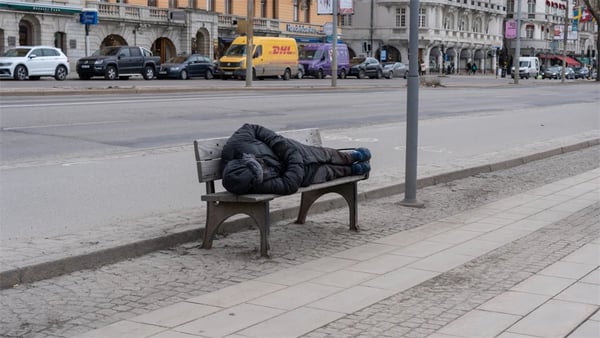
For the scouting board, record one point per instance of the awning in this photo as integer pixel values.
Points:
(39, 7)
(570, 60)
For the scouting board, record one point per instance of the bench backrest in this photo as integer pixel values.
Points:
(208, 151)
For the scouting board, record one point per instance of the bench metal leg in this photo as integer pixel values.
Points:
(217, 213)
(348, 191)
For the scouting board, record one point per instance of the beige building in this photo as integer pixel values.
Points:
(167, 27)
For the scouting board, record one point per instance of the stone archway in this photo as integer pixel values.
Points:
(203, 43)
(1, 39)
(164, 48)
(450, 63)
(464, 60)
(392, 54)
(29, 31)
(113, 40)
(351, 52)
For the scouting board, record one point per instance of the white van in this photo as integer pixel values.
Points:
(529, 66)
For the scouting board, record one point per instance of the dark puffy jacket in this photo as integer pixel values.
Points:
(281, 159)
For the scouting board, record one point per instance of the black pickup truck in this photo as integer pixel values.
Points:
(119, 62)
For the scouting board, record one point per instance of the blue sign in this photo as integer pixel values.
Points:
(88, 18)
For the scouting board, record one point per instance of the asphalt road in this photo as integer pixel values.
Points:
(71, 163)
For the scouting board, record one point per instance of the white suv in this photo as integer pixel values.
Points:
(34, 62)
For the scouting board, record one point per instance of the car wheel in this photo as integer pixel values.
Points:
(287, 74)
(361, 74)
(320, 74)
(379, 74)
(209, 75)
(390, 75)
(148, 73)
(184, 75)
(343, 74)
(110, 73)
(300, 74)
(61, 73)
(20, 73)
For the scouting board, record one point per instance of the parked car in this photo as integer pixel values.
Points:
(187, 66)
(362, 67)
(552, 72)
(395, 69)
(34, 62)
(569, 73)
(582, 72)
(121, 62)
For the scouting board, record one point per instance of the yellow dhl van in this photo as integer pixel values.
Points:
(272, 57)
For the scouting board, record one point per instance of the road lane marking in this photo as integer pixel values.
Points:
(64, 125)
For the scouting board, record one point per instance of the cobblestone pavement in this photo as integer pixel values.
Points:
(75, 303)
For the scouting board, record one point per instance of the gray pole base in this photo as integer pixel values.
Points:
(413, 203)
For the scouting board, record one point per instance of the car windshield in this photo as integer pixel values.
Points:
(310, 54)
(524, 64)
(177, 59)
(106, 51)
(16, 52)
(236, 50)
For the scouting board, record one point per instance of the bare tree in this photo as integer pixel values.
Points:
(593, 7)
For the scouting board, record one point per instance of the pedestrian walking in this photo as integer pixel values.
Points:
(468, 68)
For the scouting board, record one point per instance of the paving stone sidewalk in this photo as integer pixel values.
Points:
(76, 303)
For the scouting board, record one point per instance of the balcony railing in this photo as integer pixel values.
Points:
(124, 11)
(259, 24)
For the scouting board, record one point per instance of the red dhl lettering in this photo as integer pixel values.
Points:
(282, 50)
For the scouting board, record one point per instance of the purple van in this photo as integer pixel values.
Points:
(316, 59)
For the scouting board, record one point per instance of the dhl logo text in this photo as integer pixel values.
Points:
(282, 50)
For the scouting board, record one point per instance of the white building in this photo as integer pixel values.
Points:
(465, 31)
(451, 32)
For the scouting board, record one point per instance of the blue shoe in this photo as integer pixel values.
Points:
(361, 168)
(361, 155)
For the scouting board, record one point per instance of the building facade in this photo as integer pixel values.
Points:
(541, 22)
(452, 33)
(167, 27)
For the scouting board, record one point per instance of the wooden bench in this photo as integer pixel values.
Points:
(222, 205)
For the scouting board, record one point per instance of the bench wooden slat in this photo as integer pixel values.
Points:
(225, 196)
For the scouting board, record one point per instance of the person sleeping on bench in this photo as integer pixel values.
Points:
(256, 160)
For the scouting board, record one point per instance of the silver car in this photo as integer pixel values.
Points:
(395, 69)
(34, 62)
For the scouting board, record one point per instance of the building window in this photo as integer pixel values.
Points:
(275, 9)
(400, 17)
(263, 8)
(422, 18)
(346, 20)
(152, 3)
(228, 7)
(510, 6)
(295, 14)
(306, 10)
(529, 31)
(531, 9)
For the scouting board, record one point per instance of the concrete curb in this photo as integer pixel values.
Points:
(95, 259)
